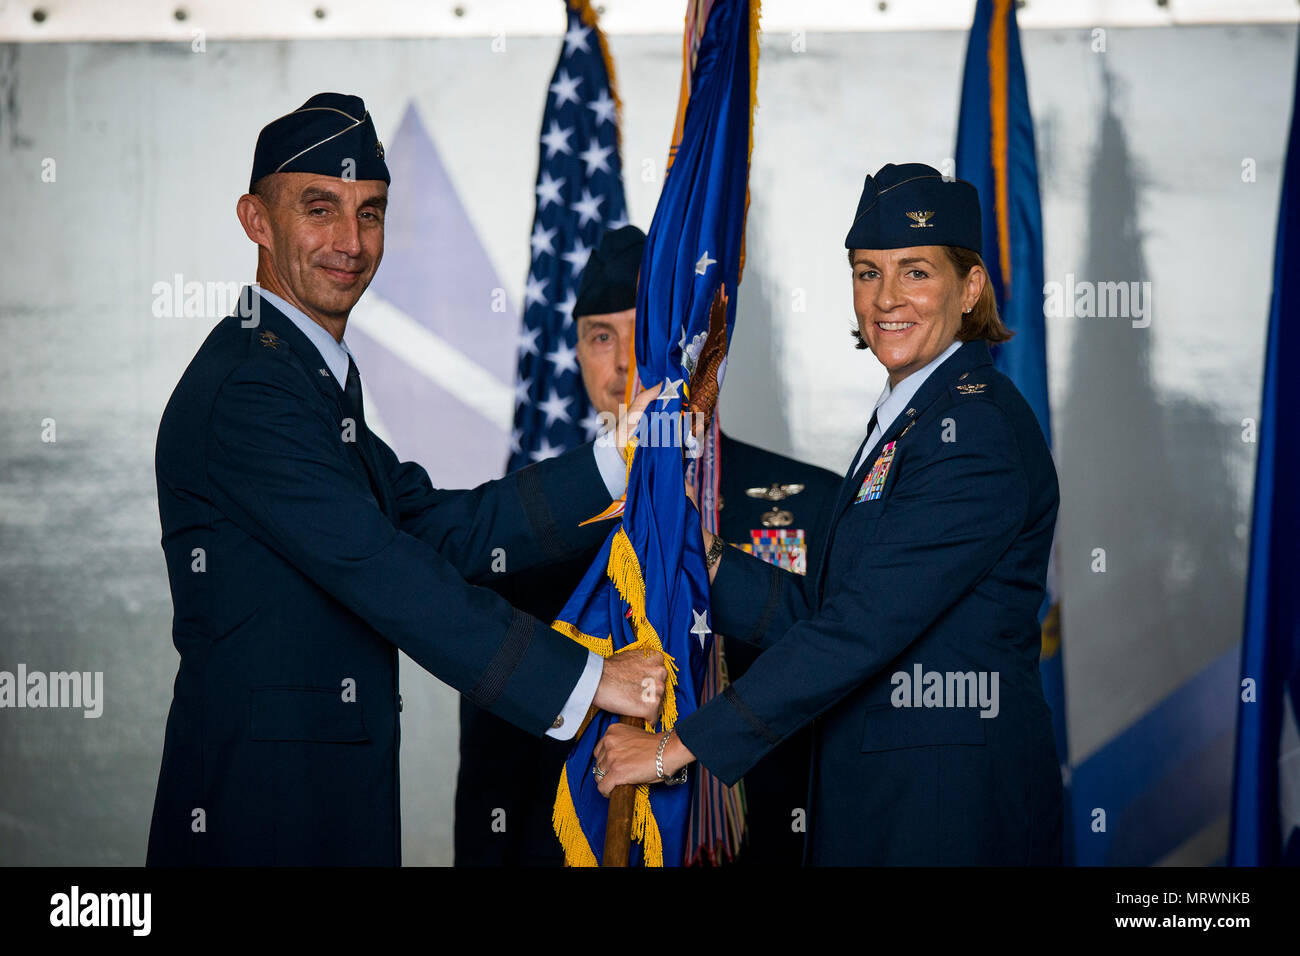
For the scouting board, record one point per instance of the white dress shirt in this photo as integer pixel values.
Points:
(613, 471)
(893, 401)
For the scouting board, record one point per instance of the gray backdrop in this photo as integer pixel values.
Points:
(1141, 152)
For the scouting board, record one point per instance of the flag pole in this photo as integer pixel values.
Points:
(618, 823)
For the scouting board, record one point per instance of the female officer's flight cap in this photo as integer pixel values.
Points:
(913, 205)
(331, 135)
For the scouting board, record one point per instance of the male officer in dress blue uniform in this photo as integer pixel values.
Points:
(768, 505)
(302, 554)
(914, 640)
(771, 506)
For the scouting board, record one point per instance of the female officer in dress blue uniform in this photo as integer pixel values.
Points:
(913, 641)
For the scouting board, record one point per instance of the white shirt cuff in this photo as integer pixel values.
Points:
(612, 467)
(584, 692)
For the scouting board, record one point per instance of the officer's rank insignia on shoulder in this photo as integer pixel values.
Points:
(786, 548)
(873, 486)
(774, 491)
(269, 339)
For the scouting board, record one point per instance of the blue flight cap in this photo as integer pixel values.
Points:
(913, 205)
(609, 278)
(321, 136)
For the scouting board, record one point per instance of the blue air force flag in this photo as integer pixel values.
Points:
(648, 590)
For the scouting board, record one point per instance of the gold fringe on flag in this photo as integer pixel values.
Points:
(604, 646)
(624, 570)
(564, 820)
(644, 829)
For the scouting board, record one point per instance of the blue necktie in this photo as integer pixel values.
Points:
(354, 404)
(841, 502)
(353, 397)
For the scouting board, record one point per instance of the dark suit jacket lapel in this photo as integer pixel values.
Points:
(971, 355)
(273, 320)
(846, 486)
(841, 499)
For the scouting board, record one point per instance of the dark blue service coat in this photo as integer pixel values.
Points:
(299, 564)
(944, 569)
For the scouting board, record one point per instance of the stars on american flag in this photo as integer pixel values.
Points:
(577, 256)
(548, 190)
(592, 424)
(544, 451)
(588, 207)
(556, 140)
(603, 107)
(596, 157)
(535, 291)
(555, 408)
(565, 308)
(521, 389)
(541, 240)
(528, 341)
(563, 358)
(565, 88)
(579, 193)
(576, 39)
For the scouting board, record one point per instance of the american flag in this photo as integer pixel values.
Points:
(579, 196)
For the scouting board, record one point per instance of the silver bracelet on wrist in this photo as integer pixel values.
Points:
(672, 781)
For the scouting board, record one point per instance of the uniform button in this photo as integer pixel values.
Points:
(399, 703)
(559, 722)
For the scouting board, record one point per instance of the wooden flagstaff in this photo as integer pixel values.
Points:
(618, 824)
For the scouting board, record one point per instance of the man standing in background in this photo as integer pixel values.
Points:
(506, 788)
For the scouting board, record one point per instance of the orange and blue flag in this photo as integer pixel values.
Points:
(648, 590)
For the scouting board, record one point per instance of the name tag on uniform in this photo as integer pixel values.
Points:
(873, 486)
(785, 547)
